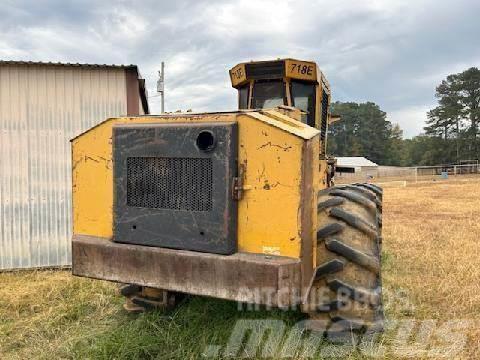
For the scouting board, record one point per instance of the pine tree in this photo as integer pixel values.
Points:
(456, 119)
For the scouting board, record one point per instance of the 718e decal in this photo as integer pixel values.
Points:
(237, 73)
(301, 69)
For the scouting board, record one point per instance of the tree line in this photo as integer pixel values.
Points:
(450, 135)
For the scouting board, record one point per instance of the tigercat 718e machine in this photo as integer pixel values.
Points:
(234, 205)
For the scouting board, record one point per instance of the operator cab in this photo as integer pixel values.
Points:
(290, 82)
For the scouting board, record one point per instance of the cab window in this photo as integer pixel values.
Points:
(303, 98)
(243, 97)
(268, 94)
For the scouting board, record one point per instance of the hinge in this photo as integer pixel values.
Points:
(237, 191)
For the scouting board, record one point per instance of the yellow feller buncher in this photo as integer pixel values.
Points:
(234, 205)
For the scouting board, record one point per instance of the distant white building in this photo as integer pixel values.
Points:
(355, 165)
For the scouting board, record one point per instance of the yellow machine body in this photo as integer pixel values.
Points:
(243, 217)
(281, 166)
(281, 175)
(290, 72)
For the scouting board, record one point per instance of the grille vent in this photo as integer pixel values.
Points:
(323, 130)
(170, 183)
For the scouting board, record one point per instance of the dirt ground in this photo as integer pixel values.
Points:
(431, 262)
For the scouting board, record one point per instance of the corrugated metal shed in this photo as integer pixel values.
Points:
(42, 106)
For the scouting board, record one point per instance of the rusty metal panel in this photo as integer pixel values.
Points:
(41, 108)
(253, 278)
(269, 148)
(176, 194)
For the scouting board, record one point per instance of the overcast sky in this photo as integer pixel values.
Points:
(390, 52)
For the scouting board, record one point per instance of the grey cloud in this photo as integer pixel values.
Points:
(391, 52)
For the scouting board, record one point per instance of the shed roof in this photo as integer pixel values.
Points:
(141, 82)
(354, 161)
(50, 63)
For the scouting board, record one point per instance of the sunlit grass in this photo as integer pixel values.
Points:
(430, 271)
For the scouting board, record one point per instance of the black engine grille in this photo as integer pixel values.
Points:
(170, 183)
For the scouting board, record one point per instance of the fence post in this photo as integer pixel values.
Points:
(454, 170)
(416, 174)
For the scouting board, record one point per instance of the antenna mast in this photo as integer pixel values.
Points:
(161, 87)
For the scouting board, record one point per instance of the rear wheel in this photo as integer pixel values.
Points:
(345, 291)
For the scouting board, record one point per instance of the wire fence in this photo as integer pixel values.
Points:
(411, 174)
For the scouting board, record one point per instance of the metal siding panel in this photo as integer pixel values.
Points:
(41, 109)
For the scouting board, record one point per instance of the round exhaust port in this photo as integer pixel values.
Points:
(206, 141)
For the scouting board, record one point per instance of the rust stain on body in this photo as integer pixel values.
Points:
(269, 144)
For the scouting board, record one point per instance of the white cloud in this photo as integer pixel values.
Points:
(7, 51)
(411, 119)
(121, 24)
(246, 18)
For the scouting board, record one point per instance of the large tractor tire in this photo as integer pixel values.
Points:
(345, 293)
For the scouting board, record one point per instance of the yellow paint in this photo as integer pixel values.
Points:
(270, 149)
(302, 70)
(238, 74)
(268, 214)
(319, 169)
(286, 123)
(293, 70)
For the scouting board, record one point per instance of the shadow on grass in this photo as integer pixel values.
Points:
(181, 334)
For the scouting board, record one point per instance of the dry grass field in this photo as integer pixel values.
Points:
(432, 248)
(431, 256)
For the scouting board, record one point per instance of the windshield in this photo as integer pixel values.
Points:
(303, 98)
(268, 94)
